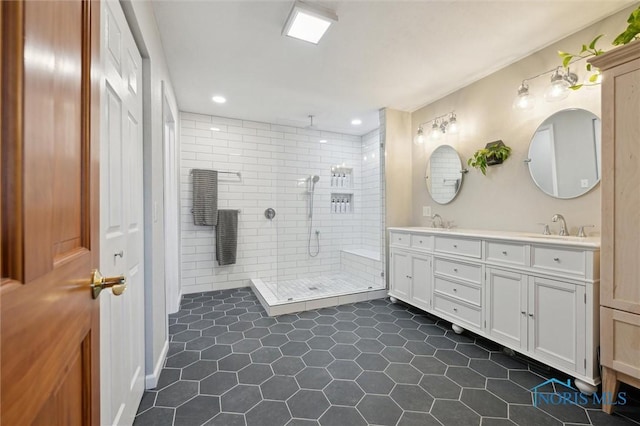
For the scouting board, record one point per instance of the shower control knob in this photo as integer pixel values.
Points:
(270, 213)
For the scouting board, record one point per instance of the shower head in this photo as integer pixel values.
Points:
(315, 178)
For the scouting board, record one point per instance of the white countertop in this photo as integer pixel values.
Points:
(528, 237)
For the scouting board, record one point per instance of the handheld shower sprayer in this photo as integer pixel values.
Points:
(312, 187)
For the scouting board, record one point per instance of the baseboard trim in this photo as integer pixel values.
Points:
(151, 380)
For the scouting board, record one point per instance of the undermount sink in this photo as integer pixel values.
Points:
(555, 237)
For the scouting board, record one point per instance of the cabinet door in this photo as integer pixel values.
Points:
(557, 321)
(421, 281)
(400, 274)
(506, 306)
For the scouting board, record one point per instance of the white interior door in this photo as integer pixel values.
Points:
(121, 220)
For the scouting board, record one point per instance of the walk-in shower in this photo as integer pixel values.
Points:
(329, 229)
(312, 180)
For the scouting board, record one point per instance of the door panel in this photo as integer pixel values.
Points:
(122, 317)
(421, 281)
(400, 270)
(50, 127)
(506, 307)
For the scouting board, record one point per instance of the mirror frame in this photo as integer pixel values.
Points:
(461, 171)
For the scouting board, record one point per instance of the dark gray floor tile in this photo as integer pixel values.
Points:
(345, 316)
(379, 410)
(234, 362)
(324, 330)
(325, 320)
(365, 321)
(472, 350)
(288, 366)
(167, 377)
(529, 380)
(451, 357)
(218, 383)
(507, 361)
(281, 328)
(509, 391)
(215, 331)
(310, 314)
(375, 382)
(175, 347)
(188, 319)
(288, 318)
(272, 413)
(322, 342)
(384, 318)
(345, 326)
(256, 332)
(346, 337)
(241, 326)
(344, 369)
(565, 412)
(484, 403)
(305, 324)
(600, 418)
(246, 346)
(428, 365)
(386, 327)
(279, 387)
(344, 351)
(275, 340)
(300, 335)
(440, 387)
(489, 421)
(227, 419)
(254, 374)
(265, 355)
(403, 373)
(308, 404)
(147, 401)
(240, 399)
(313, 378)
(466, 377)
(200, 343)
(432, 330)
(394, 354)
(408, 324)
(182, 359)
(454, 413)
(302, 422)
(343, 392)
(417, 419)
(420, 348)
(176, 394)
(197, 411)
(341, 416)
(156, 416)
(526, 415)
(264, 322)
(367, 332)
(201, 325)
(216, 352)
(229, 337)
(199, 370)
(317, 358)
(389, 339)
(441, 342)
(177, 328)
(411, 398)
(373, 362)
(488, 368)
(294, 348)
(413, 334)
(369, 345)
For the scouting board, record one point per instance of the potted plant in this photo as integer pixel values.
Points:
(493, 153)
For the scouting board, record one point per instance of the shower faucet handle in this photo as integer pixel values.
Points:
(270, 213)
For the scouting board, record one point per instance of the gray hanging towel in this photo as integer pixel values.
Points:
(205, 197)
(227, 237)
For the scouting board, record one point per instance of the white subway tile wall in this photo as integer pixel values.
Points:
(275, 162)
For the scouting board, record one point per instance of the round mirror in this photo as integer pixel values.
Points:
(564, 155)
(444, 174)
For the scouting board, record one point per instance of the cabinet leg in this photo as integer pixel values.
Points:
(610, 385)
(457, 329)
(393, 299)
(585, 387)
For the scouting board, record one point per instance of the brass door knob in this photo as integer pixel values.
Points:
(98, 283)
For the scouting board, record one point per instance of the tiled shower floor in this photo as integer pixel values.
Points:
(367, 363)
(318, 286)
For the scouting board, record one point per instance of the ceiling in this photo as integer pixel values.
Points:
(398, 54)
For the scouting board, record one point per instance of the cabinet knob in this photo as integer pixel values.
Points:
(455, 269)
(556, 259)
(523, 312)
(531, 315)
(455, 290)
(455, 309)
(455, 246)
(504, 252)
(420, 241)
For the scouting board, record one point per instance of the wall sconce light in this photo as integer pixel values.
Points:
(439, 126)
(561, 83)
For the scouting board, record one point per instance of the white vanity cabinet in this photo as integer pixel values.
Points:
(536, 295)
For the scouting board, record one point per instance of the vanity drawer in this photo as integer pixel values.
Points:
(457, 310)
(459, 246)
(468, 293)
(509, 253)
(424, 242)
(399, 239)
(458, 270)
(562, 260)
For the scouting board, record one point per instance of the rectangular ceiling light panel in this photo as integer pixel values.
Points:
(308, 22)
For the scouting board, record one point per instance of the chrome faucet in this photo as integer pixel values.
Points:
(433, 220)
(563, 224)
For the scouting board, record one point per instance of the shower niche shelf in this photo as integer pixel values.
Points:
(341, 177)
(341, 202)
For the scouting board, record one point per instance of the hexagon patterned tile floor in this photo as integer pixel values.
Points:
(368, 363)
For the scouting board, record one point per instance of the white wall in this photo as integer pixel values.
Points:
(507, 198)
(370, 204)
(141, 19)
(274, 161)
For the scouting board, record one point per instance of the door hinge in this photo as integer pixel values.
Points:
(585, 363)
(585, 298)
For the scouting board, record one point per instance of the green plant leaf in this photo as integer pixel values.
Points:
(588, 67)
(594, 77)
(592, 45)
(567, 60)
(632, 31)
(576, 86)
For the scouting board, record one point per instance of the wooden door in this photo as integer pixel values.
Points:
(421, 281)
(50, 129)
(506, 307)
(400, 278)
(557, 323)
(121, 221)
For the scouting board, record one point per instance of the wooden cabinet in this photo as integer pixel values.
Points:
(537, 298)
(620, 292)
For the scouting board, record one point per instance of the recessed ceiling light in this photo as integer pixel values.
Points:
(215, 129)
(356, 122)
(308, 22)
(219, 99)
(323, 141)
